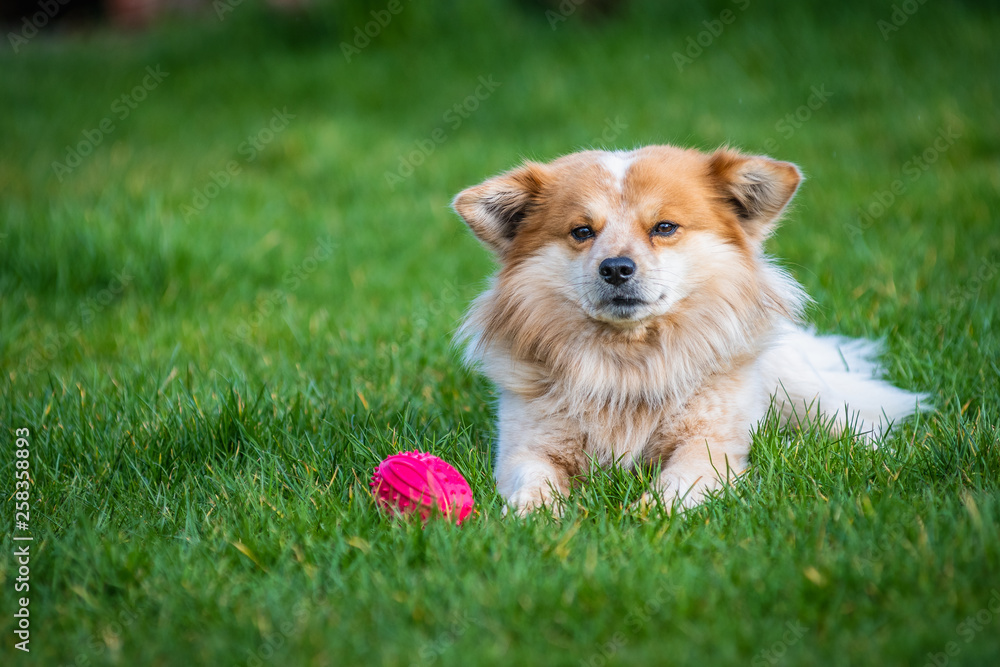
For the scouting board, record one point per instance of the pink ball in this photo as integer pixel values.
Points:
(423, 483)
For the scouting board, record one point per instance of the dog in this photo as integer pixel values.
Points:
(636, 319)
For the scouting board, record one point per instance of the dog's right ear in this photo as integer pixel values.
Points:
(495, 208)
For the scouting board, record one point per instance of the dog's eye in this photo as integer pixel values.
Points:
(582, 233)
(665, 228)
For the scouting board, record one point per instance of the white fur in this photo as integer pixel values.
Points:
(617, 164)
(836, 377)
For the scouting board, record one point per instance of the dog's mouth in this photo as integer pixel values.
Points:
(625, 302)
(626, 308)
(628, 302)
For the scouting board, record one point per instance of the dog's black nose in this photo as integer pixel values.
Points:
(616, 270)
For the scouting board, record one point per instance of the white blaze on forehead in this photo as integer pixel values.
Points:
(616, 236)
(617, 164)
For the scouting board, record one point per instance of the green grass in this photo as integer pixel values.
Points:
(207, 393)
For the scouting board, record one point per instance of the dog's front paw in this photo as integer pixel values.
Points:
(676, 492)
(530, 485)
(527, 499)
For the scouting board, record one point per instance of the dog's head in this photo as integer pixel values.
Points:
(629, 236)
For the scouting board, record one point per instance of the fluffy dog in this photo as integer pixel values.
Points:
(636, 318)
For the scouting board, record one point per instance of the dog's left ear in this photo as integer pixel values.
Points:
(756, 187)
(494, 209)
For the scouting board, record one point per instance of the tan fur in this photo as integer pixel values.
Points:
(676, 379)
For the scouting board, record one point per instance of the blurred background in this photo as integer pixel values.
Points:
(259, 187)
(210, 151)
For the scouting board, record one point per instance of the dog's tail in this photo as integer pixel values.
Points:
(836, 378)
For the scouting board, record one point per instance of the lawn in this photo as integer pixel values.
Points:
(229, 279)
